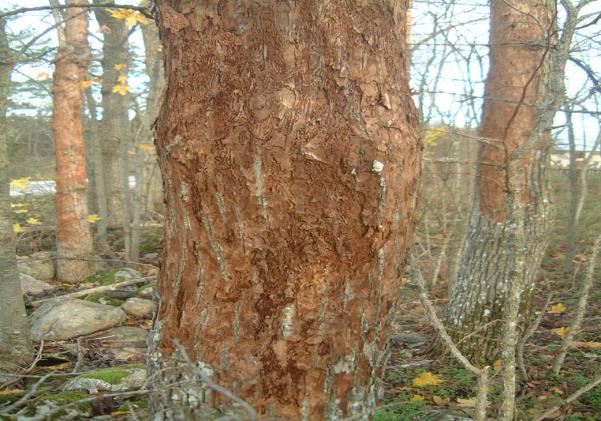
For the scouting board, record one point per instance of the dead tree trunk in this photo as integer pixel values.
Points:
(15, 344)
(516, 101)
(289, 149)
(73, 235)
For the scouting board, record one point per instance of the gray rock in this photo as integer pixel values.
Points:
(125, 336)
(114, 379)
(138, 307)
(124, 274)
(60, 320)
(38, 265)
(147, 292)
(31, 286)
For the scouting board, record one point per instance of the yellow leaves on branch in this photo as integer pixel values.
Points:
(19, 211)
(93, 218)
(17, 228)
(121, 89)
(122, 79)
(120, 66)
(427, 379)
(145, 147)
(42, 75)
(85, 84)
(131, 17)
(560, 331)
(20, 183)
(557, 309)
(33, 221)
(432, 135)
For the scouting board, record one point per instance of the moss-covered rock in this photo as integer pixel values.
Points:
(114, 379)
(104, 299)
(62, 404)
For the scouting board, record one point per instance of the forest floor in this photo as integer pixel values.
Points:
(417, 386)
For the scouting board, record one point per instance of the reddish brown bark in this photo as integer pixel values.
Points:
(73, 237)
(515, 89)
(288, 145)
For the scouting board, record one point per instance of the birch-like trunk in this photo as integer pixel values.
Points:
(288, 144)
(15, 344)
(73, 237)
(516, 100)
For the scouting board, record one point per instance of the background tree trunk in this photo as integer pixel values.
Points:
(73, 236)
(113, 126)
(516, 92)
(288, 144)
(15, 344)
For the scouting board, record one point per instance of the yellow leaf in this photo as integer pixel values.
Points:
(98, 79)
(497, 365)
(32, 221)
(42, 75)
(17, 228)
(21, 211)
(85, 84)
(17, 205)
(122, 78)
(121, 13)
(93, 218)
(560, 331)
(427, 379)
(145, 146)
(415, 398)
(557, 309)
(468, 403)
(121, 89)
(432, 135)
(20, 183)
(120, 66)
(590, 344)
(8, 392)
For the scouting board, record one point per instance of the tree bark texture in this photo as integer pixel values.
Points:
(289, 149)
(516, 95)
(113, 126)
(15, 344)
(73, 235)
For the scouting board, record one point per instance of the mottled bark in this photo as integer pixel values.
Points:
(514, 107)
(289, 149)
(113, 126)
(73, 236)
(15, 344)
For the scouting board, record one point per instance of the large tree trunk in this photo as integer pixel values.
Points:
(113, 126)
(15, 344)
(515, 104)
(289, 149)
(73, 236)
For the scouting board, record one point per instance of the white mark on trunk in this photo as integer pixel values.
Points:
(236, 323)
(215, 246)
(220, 205)
(288, 321)
(260, 183)
(377, 166)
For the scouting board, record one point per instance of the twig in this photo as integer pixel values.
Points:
(37, 358)
(28, 395)
(482, 373)
(94, 290)
(571, 398)
(217, 388)
(142, 10)
(529, 332)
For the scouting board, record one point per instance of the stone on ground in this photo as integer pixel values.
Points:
(138, 307)
(114, 379)
(38, 265)
(32, 286)
(60, 320)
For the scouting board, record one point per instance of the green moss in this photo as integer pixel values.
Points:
(401, 409)
(110, 300)
(103, 278)
(75, 400)
(113, 375)
(140, 404)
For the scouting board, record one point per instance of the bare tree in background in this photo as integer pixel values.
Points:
(15, 344)
(73, 236)
(288, 145)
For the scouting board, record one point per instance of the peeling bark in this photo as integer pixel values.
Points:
(514, 114)
(289, 149)
(73, 235)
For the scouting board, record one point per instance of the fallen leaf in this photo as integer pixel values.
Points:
(497, 365)
(440, 401)
(427, 379)
(415, 398)
(589, 344)
(557, 309)
(560, 331)
(468, 403)
(7, 392)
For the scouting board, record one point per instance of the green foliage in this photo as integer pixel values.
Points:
(401, 409)
(151, 241)
(95, 298)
